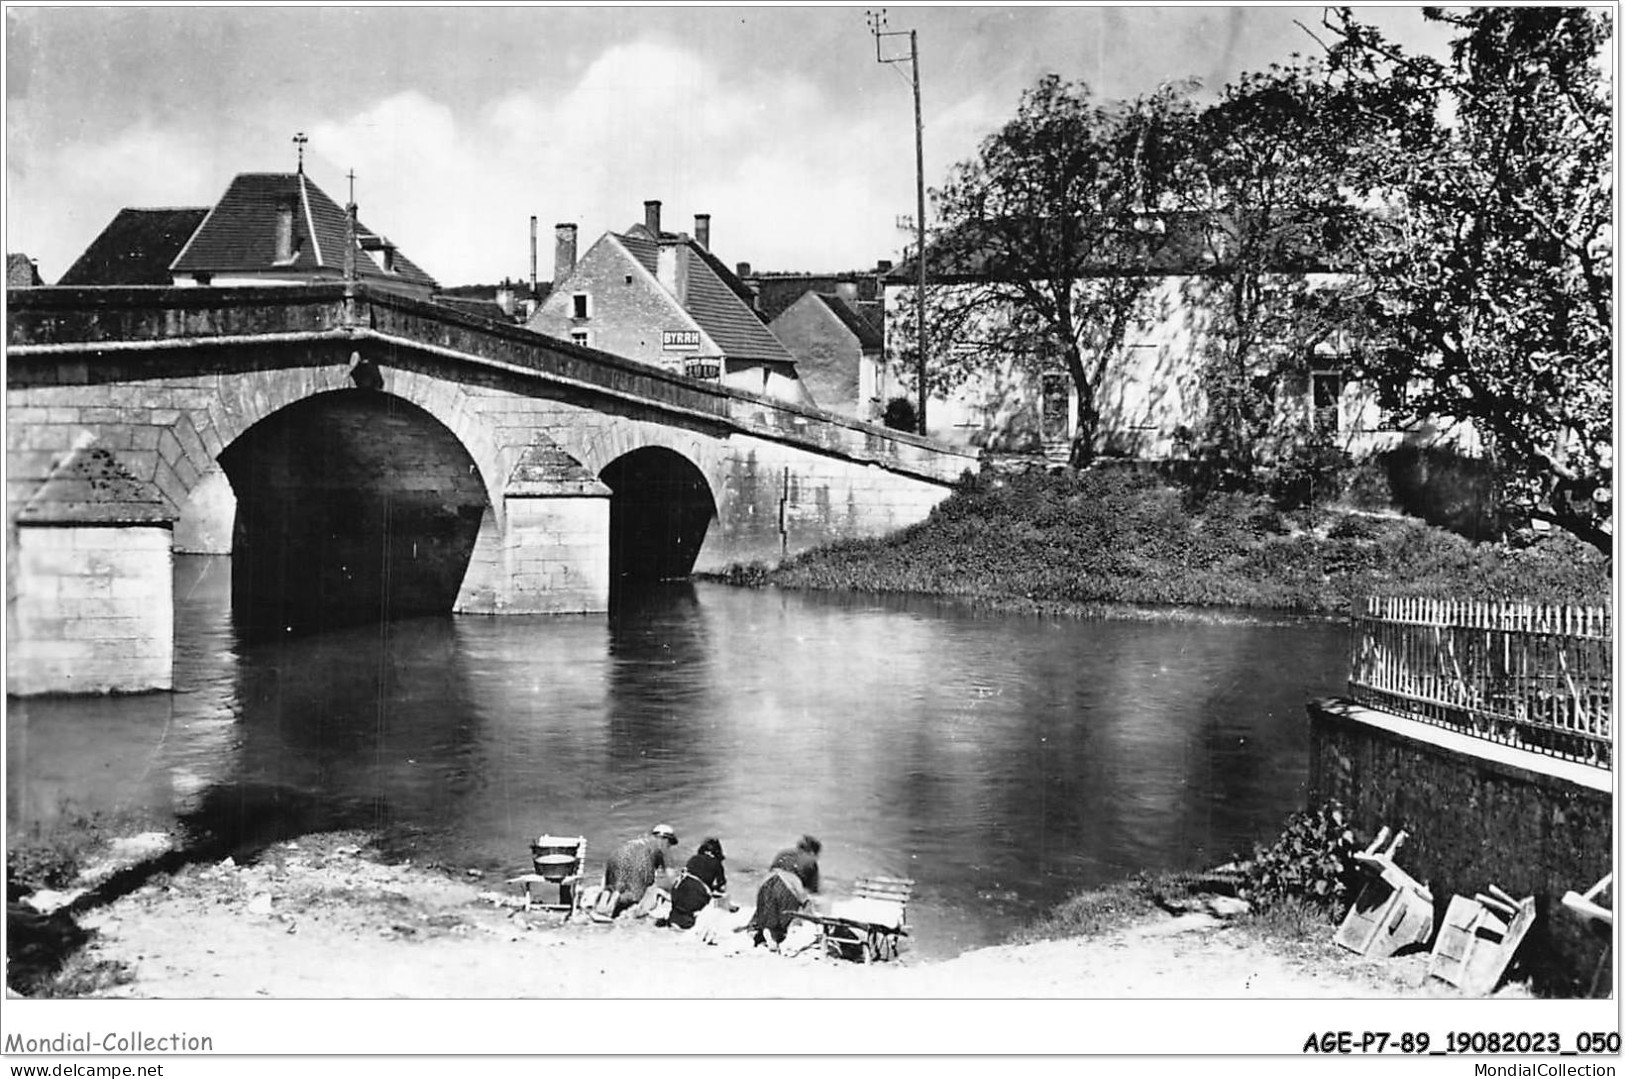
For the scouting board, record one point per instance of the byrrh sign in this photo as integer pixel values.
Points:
(680, 340)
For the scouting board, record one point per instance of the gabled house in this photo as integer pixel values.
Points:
(839, 351)
(281, 229)
(136, 248)
(664, 299)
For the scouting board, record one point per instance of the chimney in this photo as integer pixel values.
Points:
(533, 254)
(742, 270)
(651, 216)
(671, 270)
(702, 230)
(564, 251)
(883, 267)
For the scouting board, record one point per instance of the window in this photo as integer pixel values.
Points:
(581, 337)
(1325, 399)
(580, 305)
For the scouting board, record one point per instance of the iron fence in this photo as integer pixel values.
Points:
(1536, 676)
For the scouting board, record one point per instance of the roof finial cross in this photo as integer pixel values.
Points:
(299, 140)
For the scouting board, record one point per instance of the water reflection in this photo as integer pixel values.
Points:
(999, 761)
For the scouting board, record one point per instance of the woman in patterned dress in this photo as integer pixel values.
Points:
(632, 870)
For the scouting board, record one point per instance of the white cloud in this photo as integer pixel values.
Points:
(61, 194)
(788, 180)
(791, 181)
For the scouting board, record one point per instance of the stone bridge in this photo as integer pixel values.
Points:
(365, 456)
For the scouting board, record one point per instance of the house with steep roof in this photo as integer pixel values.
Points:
(664, 299)
(274, 228)
(840, 352)
(136, 248)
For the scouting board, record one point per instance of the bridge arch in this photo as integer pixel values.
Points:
(250, 398)
(351, 507)
(660, 510)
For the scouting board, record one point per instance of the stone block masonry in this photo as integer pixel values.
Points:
(96, 616)
(557, 555)
(1478, 813)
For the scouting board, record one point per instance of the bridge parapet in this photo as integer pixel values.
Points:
(42, 317)
(45, 325)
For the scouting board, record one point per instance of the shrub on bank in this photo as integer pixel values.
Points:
(1128, 538)
(1311, 862)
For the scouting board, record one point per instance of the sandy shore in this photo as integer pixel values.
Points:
(324, 917)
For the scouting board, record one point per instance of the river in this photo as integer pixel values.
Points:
(1000, 761)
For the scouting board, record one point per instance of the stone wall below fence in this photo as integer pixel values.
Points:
(1478, 813)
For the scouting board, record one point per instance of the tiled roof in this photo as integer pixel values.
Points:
(729, 278)
(867, 334)
(713, 301)
(136, 248)
(239, 235)
(645, 250)
(736, 329)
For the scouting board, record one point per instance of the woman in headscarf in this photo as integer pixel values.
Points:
(632, 870)
(702, 880)
(793, 876)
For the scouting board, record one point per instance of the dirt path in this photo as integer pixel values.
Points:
(321, 918)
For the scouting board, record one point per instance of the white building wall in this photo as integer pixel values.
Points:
(1149, 393)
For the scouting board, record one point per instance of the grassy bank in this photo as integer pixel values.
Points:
(1041, 540)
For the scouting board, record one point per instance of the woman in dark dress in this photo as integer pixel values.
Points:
(794, 874)
(703, 879)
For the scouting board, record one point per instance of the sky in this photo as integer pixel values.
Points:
(462, 123)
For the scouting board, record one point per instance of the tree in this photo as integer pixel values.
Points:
(1493, 287)
(1268, 179)
(1044, 237)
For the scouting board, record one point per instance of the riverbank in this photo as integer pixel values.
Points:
(1105, 543)
(330, 916)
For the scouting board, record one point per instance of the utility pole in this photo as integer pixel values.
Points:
(877, 26)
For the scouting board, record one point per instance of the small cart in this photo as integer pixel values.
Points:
(868, 926)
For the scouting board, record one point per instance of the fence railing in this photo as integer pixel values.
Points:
(1531, 675)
